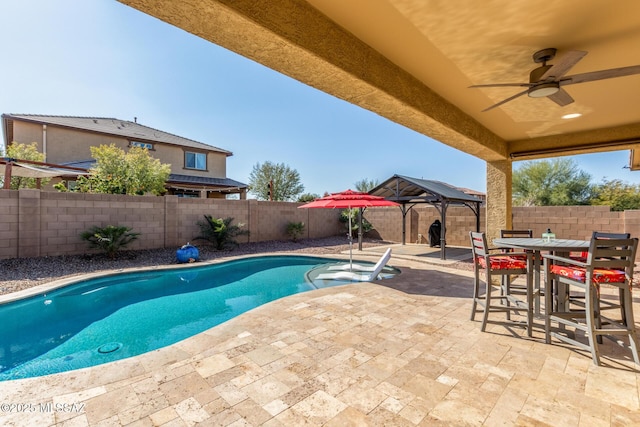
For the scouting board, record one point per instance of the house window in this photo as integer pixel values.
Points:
(195, 160)
(146, 145)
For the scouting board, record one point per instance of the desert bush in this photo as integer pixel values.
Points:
(295, 230)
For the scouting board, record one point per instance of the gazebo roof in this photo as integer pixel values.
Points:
(404, 189)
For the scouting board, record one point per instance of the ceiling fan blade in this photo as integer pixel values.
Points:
(504, 85)
(561, 98)
(564, 64)
(504, 101)
(600, 75)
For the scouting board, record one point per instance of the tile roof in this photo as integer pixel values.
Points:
(189, 179)
(408, 188)
(174, 178)
(113, 126)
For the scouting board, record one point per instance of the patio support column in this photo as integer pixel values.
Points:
(498, 210)
(7, 175)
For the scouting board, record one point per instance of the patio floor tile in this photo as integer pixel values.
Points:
(400, 352)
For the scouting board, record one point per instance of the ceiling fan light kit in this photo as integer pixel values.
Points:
(545, 89)
(546, 80)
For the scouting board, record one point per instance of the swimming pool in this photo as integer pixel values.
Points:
(113, 317)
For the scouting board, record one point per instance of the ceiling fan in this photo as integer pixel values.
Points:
(548, 80)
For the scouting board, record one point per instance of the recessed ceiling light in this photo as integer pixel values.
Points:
(571, 116)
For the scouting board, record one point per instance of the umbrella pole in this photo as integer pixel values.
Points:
(350, 243)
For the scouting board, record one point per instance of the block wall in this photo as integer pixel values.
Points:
(9, 224)
(41, 223)
(387, 223)
(569, 222)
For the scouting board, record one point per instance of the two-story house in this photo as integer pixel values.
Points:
(197, 169)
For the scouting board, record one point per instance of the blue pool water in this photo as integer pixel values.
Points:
(113, 317)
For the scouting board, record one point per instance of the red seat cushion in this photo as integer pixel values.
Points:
(504, 263)
(599, 275)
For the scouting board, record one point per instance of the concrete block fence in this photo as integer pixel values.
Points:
(40, 223)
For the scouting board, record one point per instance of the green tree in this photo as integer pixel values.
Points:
(365, 185)
(118, 172)
(308, 197)
(24, 152)
(286, 182)
(557, 182)
(617, 194)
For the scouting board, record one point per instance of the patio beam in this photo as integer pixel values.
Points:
(294, 38)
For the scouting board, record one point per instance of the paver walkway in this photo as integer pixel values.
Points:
(400, 352)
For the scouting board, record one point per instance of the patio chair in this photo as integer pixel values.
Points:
(503, 265)
(602, 304)
(362, 276)
(514, 289)
(609, 262)
(516, 233)
(582, 256)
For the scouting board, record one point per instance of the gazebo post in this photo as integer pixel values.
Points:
(443, 231)
(404, 224)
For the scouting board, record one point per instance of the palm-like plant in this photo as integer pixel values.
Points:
(220, 232)
(109, 239)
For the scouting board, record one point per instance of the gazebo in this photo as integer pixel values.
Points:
(409, 192)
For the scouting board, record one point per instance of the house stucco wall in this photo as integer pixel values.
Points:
(62, 145)
(68, 145)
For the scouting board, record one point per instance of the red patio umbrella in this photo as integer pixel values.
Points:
(346, 200)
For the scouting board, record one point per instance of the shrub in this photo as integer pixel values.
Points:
(219, 232)
(109, 239)
(295, 230)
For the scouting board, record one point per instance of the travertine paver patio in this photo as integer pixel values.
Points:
(401, 352)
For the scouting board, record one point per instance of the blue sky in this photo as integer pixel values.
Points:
(101, 58)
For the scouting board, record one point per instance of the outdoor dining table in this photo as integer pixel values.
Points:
(560, 247)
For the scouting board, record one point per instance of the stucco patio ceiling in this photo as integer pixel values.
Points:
(413, 61)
